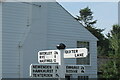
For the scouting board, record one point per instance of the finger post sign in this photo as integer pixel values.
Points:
(75, 53)
(48, 56)
(51, 63)
(54, 70)
(46, 71)
(52, 56)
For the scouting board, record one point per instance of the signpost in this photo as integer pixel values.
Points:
(74, 69)
(48, 56)
(40, 71)
(75, 53)
(53, 56)
(58, 70)
(54, 70)
(45, 71)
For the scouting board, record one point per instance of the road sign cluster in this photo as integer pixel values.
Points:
(53, 70)
(40, 71)
(52, 56)
(45, 70)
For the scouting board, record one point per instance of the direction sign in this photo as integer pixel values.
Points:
(75, 53)
(54, 70)
(53, 56)
(48, 56)
(74, 69)
(46, 71)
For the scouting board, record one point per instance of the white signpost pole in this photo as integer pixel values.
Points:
(62, 66)
(61, 57)
(61, 47)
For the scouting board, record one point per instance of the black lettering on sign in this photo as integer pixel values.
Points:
(49, 60)
(45, 53)
(71, 51)
(56, 67)
(71, 71)
(42, 71)
(42, 66)
(79, 55)
(54, 56)
(82, 71)
(55, 52)
(34, 66)
(57, 75)
(34, 75)
(42, 56)
(41, 60)
(55, 70)
(72, 67)
(54, 60)
(43, 75)
(82, 68)
(39, 66)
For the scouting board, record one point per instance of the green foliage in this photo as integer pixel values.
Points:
(100, 50)
(112, 68)
(114, 38)
(86, 19)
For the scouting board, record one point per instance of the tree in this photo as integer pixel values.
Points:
(111, 69)
(114, 38)
(86, 19)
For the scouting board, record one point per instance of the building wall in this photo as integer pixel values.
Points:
(36, 39)
(14, 22)
(0, 40)
(62, 27)
(29, 28)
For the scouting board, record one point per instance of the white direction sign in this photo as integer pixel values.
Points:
(74, 69)
(54, 71)
(46, 71)
(53, 56)
(48, 56)
(76, 53)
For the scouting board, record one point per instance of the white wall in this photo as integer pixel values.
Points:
(0, 40)
(37, 37)
(14, 19)
(28, 29)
